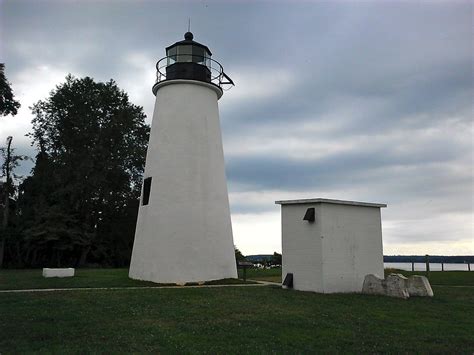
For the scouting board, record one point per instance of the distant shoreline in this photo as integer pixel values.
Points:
(460, 259)
(451, 259)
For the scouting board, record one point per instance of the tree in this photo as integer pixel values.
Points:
(8, 104)
(238, 254)
(276, 259)
(7, 190)
(48, 230)
(92, 143)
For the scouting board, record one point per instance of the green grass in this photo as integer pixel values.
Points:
(234, 320)
(32, 279)
(27, 279)
(445, 278)
(272, 275)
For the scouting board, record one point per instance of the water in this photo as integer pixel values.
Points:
(433, 266)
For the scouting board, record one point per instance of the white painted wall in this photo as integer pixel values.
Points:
(184, 234)
(334, 253)
(352, 246)
(301, 248)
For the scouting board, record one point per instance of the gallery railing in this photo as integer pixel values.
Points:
(217, 75)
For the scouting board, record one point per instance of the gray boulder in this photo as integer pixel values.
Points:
(373, 285)
(393, 286)
(418, 285)
(397, 285)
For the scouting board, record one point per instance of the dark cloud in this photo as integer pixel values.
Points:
(347, 168)
(362, 100)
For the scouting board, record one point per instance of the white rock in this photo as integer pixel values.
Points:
(418, 285)
(394, 286)
(397, 285)
(56, 272)
(373, 285)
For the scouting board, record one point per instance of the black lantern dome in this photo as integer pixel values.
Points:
(190, 60)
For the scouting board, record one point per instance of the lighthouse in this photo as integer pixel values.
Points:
(184, 231)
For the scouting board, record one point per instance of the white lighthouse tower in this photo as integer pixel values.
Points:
(184, 231)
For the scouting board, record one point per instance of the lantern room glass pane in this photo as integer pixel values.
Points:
(171, 54)
(185, 53)
(199, 55)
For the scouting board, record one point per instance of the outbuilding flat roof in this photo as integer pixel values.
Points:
(326, 200)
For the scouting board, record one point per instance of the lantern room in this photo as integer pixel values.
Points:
(188, 59)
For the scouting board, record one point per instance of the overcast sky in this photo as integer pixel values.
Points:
(368, 101)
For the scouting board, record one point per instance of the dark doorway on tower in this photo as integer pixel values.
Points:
(146, 191)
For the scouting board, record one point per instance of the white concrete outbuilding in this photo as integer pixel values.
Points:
(330, 245)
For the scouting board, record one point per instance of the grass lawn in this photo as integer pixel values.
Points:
(272, 275)
(445, 278)
(30, 279)
(226, 320)
(234, 320)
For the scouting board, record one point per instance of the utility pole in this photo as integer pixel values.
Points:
(6, 205)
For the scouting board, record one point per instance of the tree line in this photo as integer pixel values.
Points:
(79, 204)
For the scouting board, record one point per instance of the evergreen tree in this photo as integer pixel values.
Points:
(50, 232)
(276, 258)
(238, 254)
(7, 193)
